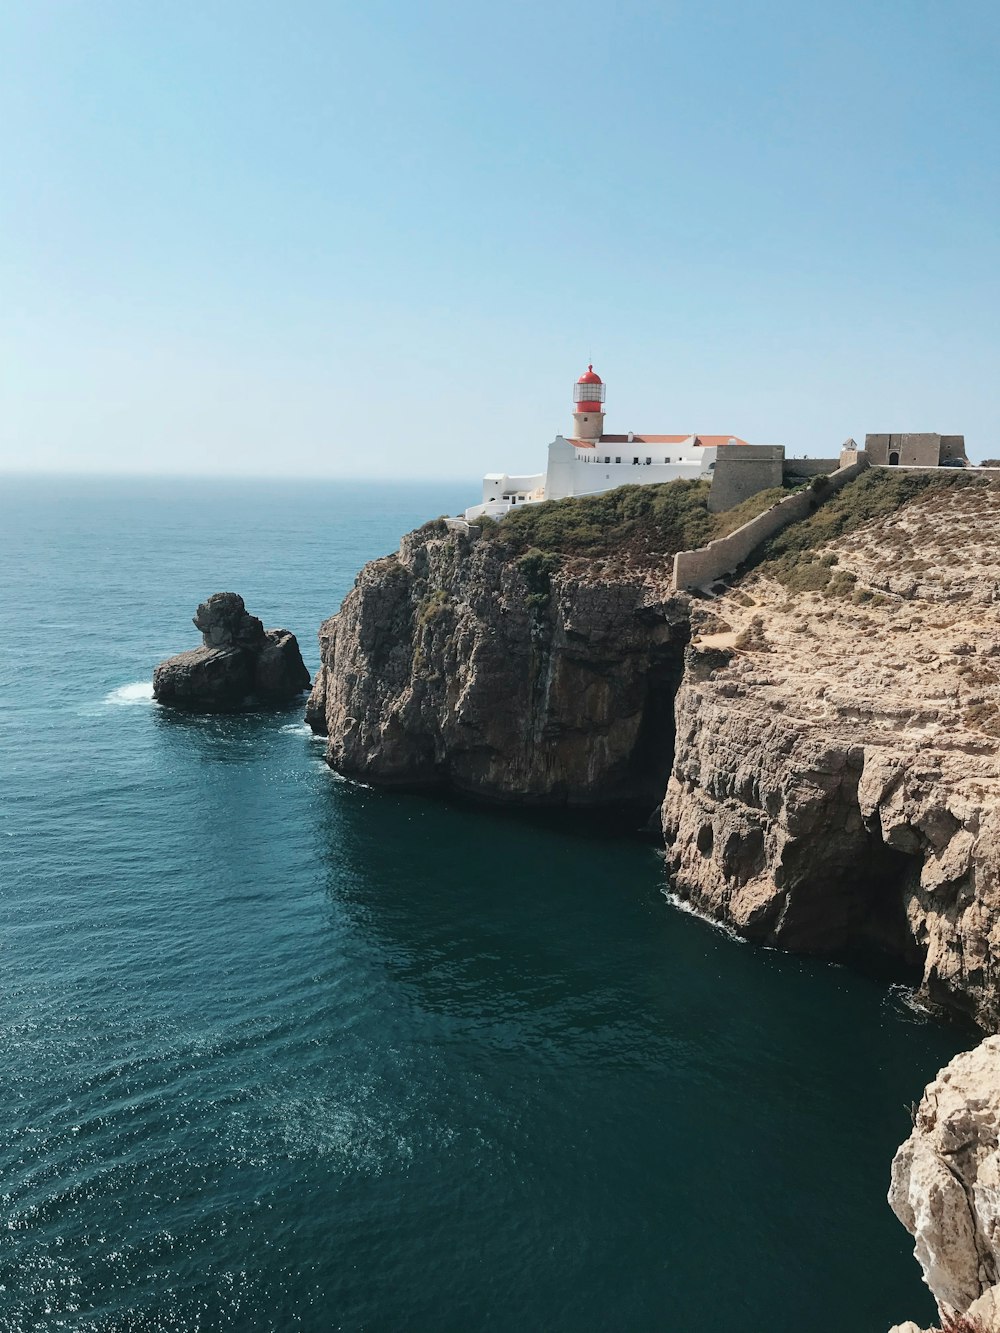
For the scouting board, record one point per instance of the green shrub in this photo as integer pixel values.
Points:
(434, 604)
(876, 494)
(645, 523)
(434, 526)
(537, 568)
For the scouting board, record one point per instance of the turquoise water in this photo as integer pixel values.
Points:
(281, 1053)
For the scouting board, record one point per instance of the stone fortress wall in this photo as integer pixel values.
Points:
(804, 469)
(914, 449)
(695, 569)
(741, 470)
(744, 470)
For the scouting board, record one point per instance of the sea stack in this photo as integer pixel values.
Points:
(239, 665)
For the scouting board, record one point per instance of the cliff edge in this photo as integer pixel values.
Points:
(836, 781)
(504, 671)
(823, 738)
(532, 661)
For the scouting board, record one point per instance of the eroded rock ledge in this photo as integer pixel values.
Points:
(837, 775)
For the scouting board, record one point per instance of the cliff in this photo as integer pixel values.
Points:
(534, 661)
(836, 776)
(833, 779)
(503, 672)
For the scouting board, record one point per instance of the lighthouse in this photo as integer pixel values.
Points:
(588, 406)
(588, 462)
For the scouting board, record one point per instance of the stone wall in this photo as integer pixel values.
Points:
(914, 448)
(741, 470)
(694, 569)
(805, 468)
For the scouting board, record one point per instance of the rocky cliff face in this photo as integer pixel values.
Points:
(946, 1188)
(526, 677)
(835, 780)
(837, 771)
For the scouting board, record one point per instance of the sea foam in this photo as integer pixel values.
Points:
(139, 692)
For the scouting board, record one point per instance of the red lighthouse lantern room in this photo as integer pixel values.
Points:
(588, 392)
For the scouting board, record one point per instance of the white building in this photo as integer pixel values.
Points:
(588, 461)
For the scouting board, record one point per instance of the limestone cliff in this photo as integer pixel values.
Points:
(460, 662)
(946, 1189)
(834, 780)
(837, 767)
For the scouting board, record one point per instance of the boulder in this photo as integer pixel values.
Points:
(240, 663)
(946, 1187)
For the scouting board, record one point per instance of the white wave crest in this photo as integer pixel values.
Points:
(139, 692)
(683, 905)
(906, 998)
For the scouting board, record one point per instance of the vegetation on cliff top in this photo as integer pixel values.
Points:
(643, 523)
(793, 555)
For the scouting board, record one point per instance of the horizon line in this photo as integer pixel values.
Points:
(52, 473)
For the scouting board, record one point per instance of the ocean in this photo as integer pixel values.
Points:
(281, 1052)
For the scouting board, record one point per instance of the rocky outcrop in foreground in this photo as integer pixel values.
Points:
(946, 1189)
(458, 664)
(836, 781)
(239, 665)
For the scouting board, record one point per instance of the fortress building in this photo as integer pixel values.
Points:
(588, 461)
(916, 449)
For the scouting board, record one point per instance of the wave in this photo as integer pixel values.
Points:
(139, 692)
(683, 905)
(300, 729)
(905, 998)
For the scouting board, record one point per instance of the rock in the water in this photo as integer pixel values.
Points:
(946, 1186)
(225, 622)
(239, 665)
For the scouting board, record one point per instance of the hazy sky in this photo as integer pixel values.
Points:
(377, 238)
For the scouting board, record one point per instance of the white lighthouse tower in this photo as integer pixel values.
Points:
(588, 462)
(588, 406)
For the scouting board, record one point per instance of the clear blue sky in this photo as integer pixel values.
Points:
(366, 239)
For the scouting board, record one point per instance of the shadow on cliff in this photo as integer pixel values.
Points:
(851, 910)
